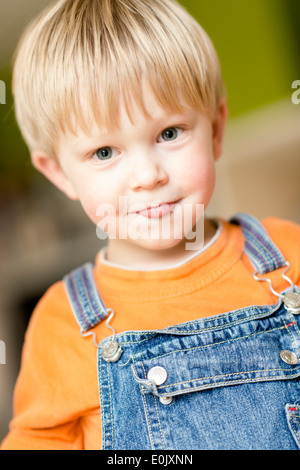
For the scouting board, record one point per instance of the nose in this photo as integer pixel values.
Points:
(147, 172)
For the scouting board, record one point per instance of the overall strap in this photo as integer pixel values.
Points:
(263, 253)
(86, 302)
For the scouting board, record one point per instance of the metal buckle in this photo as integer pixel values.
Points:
(112, 350)
(291, 299)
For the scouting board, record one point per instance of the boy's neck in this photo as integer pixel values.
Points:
(124, 252)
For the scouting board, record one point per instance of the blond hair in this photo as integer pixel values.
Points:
(79, 57)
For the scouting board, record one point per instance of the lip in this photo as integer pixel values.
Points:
(156, 211)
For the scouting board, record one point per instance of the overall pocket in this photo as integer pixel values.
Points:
(222, 391)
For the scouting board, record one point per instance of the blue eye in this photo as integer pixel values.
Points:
(170, 134)
(105, 153)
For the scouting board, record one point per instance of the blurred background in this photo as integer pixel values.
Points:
(43, 235)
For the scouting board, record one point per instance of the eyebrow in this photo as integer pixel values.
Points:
(109, 134)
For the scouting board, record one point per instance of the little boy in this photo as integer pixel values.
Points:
(163, 344)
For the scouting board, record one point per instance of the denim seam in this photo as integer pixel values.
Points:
(160, 430)
(91, 293)
(269, 309)
(292, 426)
(202, 330)
(111, 412)
(216, 344)
(148, 419)
(291, 335)
(88, 318)
(127, 362)
(235, 382)
(141, 341)
(267, 262)
(295, 324)
(146, 406)
(244, 320)
(79, 298)
(101, 403)
(227, 375)
(157, 414)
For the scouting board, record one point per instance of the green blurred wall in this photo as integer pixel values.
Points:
(256, 46)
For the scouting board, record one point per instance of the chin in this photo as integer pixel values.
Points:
(158, 244)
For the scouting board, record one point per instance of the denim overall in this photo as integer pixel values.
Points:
(230, 381)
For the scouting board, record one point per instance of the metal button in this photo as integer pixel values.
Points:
(165, 400)
(292, 302)
(158, 374)
(112, 351)
(289, 357)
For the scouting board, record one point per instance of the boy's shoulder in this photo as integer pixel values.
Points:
(52, 318)
(53, 338)
(285, 232)
(286, 236)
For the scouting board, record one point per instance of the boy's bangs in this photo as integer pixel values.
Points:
(173, 75)
(82, 106)
(83, 58)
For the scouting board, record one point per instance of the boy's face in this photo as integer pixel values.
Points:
(162, 159)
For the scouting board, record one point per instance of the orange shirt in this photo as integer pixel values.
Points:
(56, 402)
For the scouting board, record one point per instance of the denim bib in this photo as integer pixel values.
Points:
(225, 382)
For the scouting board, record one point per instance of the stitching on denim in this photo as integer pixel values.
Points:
(127, 362)
(149, 421)
(80, 304)
(160, 430)
(202, 330)
(251, 250)
(141, 341)
(90, 293)
(292, 337)
(265, 260)
(294, 430)
(261, 238)
(146, 407)
(216, 344)
(227, 375)
(296, 324)
(296, 328)
(85, 314)
(101, 401)
(221, 327)
(235, 382)
(111, 411)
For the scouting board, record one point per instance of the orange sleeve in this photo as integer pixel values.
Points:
(56, 385)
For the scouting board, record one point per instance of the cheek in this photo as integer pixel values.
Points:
(199, 171)
(98, 201)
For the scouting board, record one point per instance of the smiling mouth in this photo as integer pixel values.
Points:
(159, 210)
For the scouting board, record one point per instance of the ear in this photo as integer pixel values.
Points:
(50, 168)
(219, 126)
